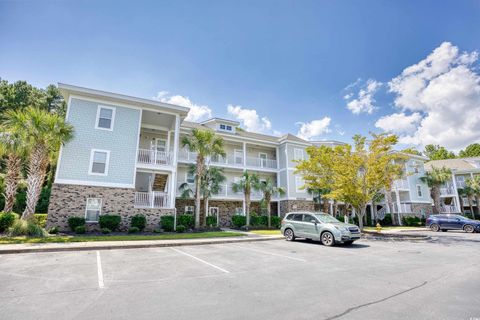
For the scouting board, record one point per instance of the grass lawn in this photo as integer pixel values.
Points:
(391, 228)
(266, 232)
(86, 238)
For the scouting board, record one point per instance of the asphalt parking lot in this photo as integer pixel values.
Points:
(373, 279)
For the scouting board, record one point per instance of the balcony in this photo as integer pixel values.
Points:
(261, 163)
(226, 192)
(404, 208)
(447, 190)
(154, 158)
(151, 200)
(449, 209)
(401, 184)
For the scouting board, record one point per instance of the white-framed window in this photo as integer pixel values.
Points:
(229, 128)
(213, 211)
(263, 158)
(99, 160)
(299, 183)
(93, 209)
(225, 127)
(419, 191)
(297, 154)
(189, 209)
(190, 177)
(238, 155)
(159, 144)
(105, 118)
(239, 211)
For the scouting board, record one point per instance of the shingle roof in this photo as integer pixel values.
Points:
(455, 164)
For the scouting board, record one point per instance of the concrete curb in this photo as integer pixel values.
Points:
(394, 236)
(130, 245)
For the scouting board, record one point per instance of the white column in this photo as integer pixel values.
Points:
(397, 195)
(457, 200)
(277, 157)
(244, 155)
(168, 140)
(173, 175)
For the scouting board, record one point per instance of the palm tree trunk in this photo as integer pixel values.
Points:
(435, 193)
(204, 222)
(37, 171)
(471, 207)
(478, 206)
(247, 208)
(14, 165)
(197, 199)
(269, 212)
(461, 203)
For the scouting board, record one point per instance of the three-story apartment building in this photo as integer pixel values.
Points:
(126, 158)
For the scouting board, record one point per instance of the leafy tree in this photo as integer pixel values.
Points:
(474, 185)
(13, 147)
(42, 134)
(436, 152)
(435, 178)
(269, 189)
(412, 151)
(248, 182)
(472, 150)
(205, 143)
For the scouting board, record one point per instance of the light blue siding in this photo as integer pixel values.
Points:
(414, 180)
(121, 142)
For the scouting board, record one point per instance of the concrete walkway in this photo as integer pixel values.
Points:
(135, 244)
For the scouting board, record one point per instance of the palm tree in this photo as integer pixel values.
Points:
(42, 133)
(247, 183)
(435, 179)
(468, 193)
(474, 185)
(11, 146)
(205, 143)
(211, 185)
(269, 189)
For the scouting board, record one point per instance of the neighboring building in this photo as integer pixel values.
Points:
(462, 169)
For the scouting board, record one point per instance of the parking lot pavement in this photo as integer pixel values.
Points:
(373, 279)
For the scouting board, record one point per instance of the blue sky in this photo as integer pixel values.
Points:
(286, 61)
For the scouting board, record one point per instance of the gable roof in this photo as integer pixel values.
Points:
(462, 164)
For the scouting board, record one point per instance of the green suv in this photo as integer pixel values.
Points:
(318, 226)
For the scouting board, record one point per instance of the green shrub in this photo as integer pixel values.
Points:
(53, 230)
(412, 221)
(40, 219)
(26, 228)
(257, 221)
(133, 230)
(6, 220)
(181, 228)
(276, 222)
(110, 221)
(80, 230)
(387, 220)
(186, 220)
(74, 222)
(167, 223)
(211, 221)
(239, 221)
(139, 221)
(105, 230)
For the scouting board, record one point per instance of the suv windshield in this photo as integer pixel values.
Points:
(326, 218)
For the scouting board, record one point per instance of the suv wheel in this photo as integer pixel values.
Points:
(469, 228)
(327, 239)
(289, 235)
(434, 227)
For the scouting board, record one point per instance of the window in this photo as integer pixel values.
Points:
(308, 218)
(297, 217)
(213, 211)
(222, 127)
(299, 183)
(225, 127)
(190, 177)
(93, 209)
(238, 155)
(105, 118)
(263, 159)
(229, 128)
(189, 209)
(298, 154)
(99, 162)
(239, 211)
(419, 191)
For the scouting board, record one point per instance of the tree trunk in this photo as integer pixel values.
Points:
(197, 192)
(471, 207)
(478, 206)
(460, 199)
(247, 208)
(361, 213)
(269, 212)
(14, 166)
(435, 193)
(204, 222)
(389, 201)
(324, 205)
(37, 170)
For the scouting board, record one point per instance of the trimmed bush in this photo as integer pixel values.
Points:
(26, 228)
(80, 230)
(40, 219)
(412, 221)
(133, 230)
(257, 221)
(186, 220)
(53, 230)
(110, 221)
(211, 221)
(105, 230)
(181, 228)
(239, 221)
(74, 222)
(6, 220)
(276, 222)
(167, 223)
(139, 221)
(387, 220)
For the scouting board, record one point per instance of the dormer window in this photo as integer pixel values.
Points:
(225, 127)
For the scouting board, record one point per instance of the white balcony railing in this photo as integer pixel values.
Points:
(261, 163)
(153, 199)
(153, 157)
(447, 189)
(228, 160)
(404, 208)
(401, 184)
(449, 209)
(226, 191)
(185, 155)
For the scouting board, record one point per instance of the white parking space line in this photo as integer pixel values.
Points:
(101, 285)
(269, 253)
(198, 259)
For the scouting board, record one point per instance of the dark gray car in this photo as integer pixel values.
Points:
(318, 226)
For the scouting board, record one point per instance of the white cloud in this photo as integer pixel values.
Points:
(313, 129)
(197, 112)
(444, 91)
(364, 101)
(250, 119)
(399, 122)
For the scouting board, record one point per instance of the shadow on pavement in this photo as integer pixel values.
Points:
(341, 245)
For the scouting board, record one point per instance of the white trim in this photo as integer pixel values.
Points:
(154, 127)
(86, 209)
(95, 183)
(112, 121)
(107, 162)
(138, 147)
